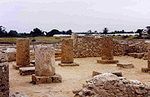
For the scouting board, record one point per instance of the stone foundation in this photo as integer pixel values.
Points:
(27, 71)
(107, 61)
(68, 64)
(4, 80)
(46, 79)
(136, 55)
(125, 65)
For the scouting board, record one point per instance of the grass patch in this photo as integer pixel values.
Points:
(38, 39)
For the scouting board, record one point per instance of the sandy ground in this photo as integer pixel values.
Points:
(75, 77)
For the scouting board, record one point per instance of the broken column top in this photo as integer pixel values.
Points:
(44, 60)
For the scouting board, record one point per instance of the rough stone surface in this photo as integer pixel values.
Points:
(44, 61)
(125, 65)
(109, 85)
(23, 52)
(4, 80)
(67, 51)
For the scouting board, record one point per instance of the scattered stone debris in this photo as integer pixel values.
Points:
(109, 85)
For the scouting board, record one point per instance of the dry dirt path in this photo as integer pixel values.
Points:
(74, 77)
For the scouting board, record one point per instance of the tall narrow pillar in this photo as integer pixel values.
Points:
(22, 53)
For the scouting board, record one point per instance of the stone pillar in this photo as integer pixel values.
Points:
(107, 51)
(148, 61)
(4, 79)
(67, 51)
(44, 62)
(23, 52)
(67, 56)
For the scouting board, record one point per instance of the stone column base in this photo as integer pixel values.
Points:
(46, 79)
(107, 61)
(68, 64)
(26, 71)
(146, 70)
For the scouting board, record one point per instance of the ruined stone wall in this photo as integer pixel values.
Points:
(4, 80)
(91, 47)
(136, 46)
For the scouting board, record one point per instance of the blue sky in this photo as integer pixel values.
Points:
(78, 15)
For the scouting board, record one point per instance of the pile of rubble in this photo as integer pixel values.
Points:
(109, 85)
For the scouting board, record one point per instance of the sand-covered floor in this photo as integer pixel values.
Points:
(74, 77)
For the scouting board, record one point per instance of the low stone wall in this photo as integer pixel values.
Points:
(4, 80)
(109, 85)
(91, 47)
